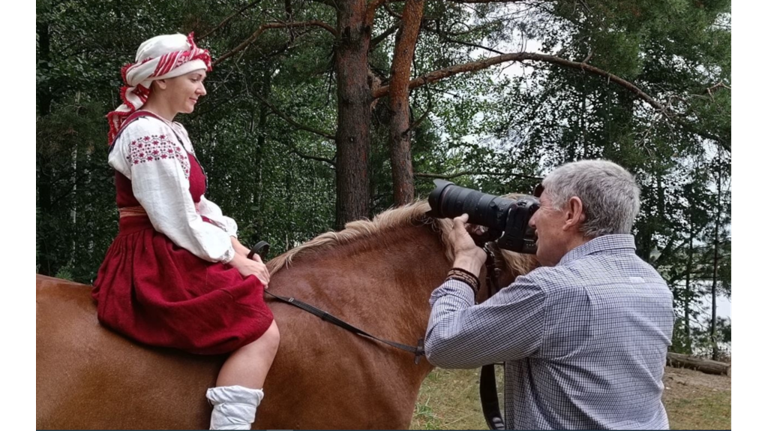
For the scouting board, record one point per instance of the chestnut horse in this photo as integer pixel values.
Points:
(377, 275)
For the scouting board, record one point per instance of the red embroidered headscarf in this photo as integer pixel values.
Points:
(161, 57)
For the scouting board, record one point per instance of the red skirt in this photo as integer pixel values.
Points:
(160, 294)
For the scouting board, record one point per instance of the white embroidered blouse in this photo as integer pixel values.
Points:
(160, 181)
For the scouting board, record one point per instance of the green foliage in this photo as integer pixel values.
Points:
(278, 179)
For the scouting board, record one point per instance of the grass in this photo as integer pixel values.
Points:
(707, 411)
(449, 399)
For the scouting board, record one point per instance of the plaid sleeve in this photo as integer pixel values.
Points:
(508, 326)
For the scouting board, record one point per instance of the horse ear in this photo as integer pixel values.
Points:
(483, 235)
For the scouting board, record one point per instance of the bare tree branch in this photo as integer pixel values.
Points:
(520, 56)
(293, 122)
(331, 3)
(416, 124)
(672, 248)
(378, 39)
(462, 173)
(713, 89)
(370, 13)
(271, 25)
(379, 2)
(374, 4)
(470, 30)
(227, 19)
(296, 151)
(444, 36)
(690, 126)
(485, 1)
(474, 45)
(391, 12)
(723, 142)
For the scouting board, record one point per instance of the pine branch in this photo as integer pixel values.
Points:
(229, 18)
(293, 122)
(271, 25)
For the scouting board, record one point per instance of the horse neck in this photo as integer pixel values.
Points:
(380, 283)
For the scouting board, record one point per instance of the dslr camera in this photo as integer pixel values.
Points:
(506, 219)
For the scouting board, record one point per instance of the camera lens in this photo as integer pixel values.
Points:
(508, 218)
(449, 200)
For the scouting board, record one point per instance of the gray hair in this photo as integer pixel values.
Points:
(609, 194)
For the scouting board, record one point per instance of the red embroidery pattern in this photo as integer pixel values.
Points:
(156, 148)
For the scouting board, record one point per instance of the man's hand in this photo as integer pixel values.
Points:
(467, 255)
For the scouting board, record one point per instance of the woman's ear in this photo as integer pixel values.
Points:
(160, 83)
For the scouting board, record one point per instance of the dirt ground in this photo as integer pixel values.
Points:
(681, 382)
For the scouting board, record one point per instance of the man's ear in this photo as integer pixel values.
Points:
(574, 210)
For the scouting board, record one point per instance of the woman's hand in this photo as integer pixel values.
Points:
(239, 248)
(251, 267)
(242, 250)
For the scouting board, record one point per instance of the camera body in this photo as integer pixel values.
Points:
(506, 219)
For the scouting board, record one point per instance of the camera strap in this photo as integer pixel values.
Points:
(489, 397)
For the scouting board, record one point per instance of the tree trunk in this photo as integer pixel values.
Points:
(44, 178)
(261, 131)
(704, 365)
(688, 293)
(353, 141)
(713, 326)
(400, 124)
(45, 264)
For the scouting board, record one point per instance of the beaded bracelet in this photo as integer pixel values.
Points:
(465, 276)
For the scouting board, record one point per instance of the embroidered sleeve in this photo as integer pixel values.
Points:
(156, 147)
(213, 213)
(159, 174)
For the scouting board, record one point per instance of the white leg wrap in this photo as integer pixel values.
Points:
(234, 407)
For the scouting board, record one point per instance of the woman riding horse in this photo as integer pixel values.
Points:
(176, 275)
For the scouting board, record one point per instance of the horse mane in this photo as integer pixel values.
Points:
(411, 214)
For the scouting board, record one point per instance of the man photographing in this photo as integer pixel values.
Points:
(584, 338)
